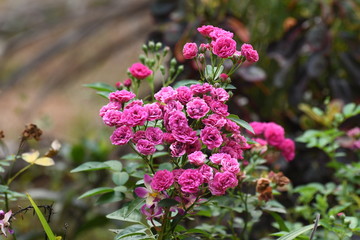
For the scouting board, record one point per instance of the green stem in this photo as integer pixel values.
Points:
(143, 157)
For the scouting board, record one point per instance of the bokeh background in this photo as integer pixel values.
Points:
(309, 53)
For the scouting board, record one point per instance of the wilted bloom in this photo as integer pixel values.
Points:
(190, 50)
(263, 187)
(4, 222)
(32, 131)
(140, 71)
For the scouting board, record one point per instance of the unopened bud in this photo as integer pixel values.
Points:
(157, 55)
(203, 47)
(201, 58)
(158, 46)
(180, 69)
(223, 77)
(217, 85)
(166, 51)
(118, 85)
(127, 83)
(151, 45)
(236, 57)
(145, 48)
(162, 69)
(230, 94)
(173, 62)
(142, 58)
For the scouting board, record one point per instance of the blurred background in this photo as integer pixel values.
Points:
(309, 53)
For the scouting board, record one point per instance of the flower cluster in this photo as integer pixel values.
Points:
(272, 134)
(192, 123)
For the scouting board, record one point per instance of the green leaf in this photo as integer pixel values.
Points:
(160, 154)
(168, 202)
(126, 214)
(280, 221)
(96, 191)
(90, 166)
(240, 122)
(230, 87)
(131, 156)
(120, 178)
(101, 87)
(110, 197)
(103, 94)
(293, 234)
(115, 165)
(137, 228)
(42, 219)
(186, 82)
(166, 165)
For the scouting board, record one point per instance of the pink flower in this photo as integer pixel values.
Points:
(127, 83)
(121, 96)
(154, 135)
(249, 53)
(198, 89)
(233, 148)
(197, 108)
(197, 158)
(134, 116)
(203, 47)
(205, 30)
(223, 77)
(109, 106)
(221, 182)
(190, 180)
(215, 120)
(173, 105)
(112, 118)
(133, 103)
(185, 135)
(176, 120)
(165, 94)
(184, 94)
(211, 137)
(168, 138)
(121, 135)
(138, 135)
(145, 147)
(258, 127)
(177, 149)
(220, 33)
(232, 126)
(140, 71)
(220, 94)
(154, 111)
(274, 134)
(190, 50)
(287, 148)
(162, 180)
(148, 192)
(219, 108)
(207, 172)
(193, 147)
(224, 47)
(241, 140)
(230, 165)
(217, 158)
(177, 173)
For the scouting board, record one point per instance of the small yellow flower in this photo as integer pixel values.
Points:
(33, 158)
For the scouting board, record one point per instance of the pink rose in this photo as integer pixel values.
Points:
(109, 106)
(140, 71)
(176, 120)
(230, 165)
(184, 94)
(173, 105)
(133, 103)
(224, 47)
(258, 127)
(197, 158)
(138, 135)
(211, 137)
(219, 108)
(134, 116)
(168, 138)
(127, 83)
(112, 118)
(162, 180)
(177, 173)
(190, 180)
(121, 96)
(197, 108)
(287, 148)
(249, 53)
(215, 120)
(274, 134)
(165, 94)
(207, 172)
(185, 135)
(154, 111)
(145, 147)
(221, 182)
(121, 135)
(154, 135)
(219, 94)
(198, 89)
(193, 147)
(220, 33)
(205, 30)
(234, 149)
(177, 149)
(190, 50)
(216, 158)
(232, 126)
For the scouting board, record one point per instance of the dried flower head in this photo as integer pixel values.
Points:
(2, 134)
(263, 187)
(32, 131)
(279, 179)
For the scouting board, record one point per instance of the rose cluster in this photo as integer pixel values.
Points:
(221, 44)
(272, 134)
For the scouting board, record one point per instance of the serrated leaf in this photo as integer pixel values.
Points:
(90, 166)
(101, 87)
(241, 122)
(96, 191)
